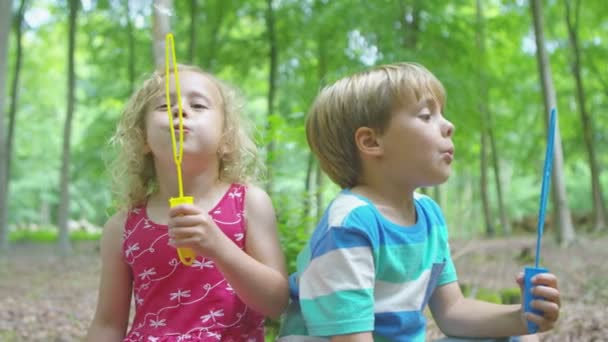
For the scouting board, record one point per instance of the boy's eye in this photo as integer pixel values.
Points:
(425, 117)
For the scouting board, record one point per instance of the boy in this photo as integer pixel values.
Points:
(381, 252)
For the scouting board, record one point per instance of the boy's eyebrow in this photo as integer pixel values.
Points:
(429, 103)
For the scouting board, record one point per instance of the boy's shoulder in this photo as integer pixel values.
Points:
(351, 210)
(348, 210)
(429, 206)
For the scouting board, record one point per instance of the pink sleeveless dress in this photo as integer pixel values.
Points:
(174, 302)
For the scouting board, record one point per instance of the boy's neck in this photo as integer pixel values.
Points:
(395, 203)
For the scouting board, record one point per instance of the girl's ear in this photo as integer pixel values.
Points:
(368, 143)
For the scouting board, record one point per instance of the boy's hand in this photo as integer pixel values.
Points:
(192, 228)
(545, 286)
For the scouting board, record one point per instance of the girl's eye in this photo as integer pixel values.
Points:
(199, 106)
(162, 107)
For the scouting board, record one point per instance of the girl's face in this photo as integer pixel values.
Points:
(202, 115)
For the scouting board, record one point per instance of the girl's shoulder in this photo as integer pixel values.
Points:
(116, 222)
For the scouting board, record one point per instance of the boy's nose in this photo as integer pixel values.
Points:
(448, 128)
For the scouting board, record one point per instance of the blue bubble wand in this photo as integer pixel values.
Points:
(530, 272)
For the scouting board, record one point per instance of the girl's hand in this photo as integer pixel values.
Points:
(192, 228)
(545, 286)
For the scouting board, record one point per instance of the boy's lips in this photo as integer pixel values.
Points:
(448, 154)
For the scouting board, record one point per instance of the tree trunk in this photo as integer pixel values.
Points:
(161, 22)
(483, 112)
(193, 25)
(599, 208)
(12, 113)
(272, 80)
(64, 187)
(410, 20)
(437, 195)
(319, 192)
(321, 72)
(502, 209)
(486, 116)
(216, 20)
(131, 49)
(307, 187)
(563, 220)
(5, 29)
(483, 163)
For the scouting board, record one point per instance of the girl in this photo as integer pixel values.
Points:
(239, 274)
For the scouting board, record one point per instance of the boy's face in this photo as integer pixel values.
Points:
(417, 145)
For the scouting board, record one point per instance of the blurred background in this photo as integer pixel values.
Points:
(67, 68)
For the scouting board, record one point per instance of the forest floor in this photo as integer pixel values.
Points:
(45, 297)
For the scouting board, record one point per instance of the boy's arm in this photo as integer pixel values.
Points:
(114, 299)
(360, 337)
(459, 316)
(258, 275)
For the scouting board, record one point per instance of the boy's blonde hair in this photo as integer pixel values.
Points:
(133, 173)
(365, 99)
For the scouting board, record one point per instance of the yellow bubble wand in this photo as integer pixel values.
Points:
(186, 255)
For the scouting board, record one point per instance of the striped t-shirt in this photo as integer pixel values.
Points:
(362, 273)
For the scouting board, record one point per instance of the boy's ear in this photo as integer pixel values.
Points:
(147, 148)
(367, 142)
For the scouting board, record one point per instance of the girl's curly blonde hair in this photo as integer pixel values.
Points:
(132, 171)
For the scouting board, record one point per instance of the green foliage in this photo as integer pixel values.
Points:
(510, 296)
(318, 42)
(488, 296)
(504, 296)
(46, 234)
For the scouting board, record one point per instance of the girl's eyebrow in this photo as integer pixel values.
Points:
(193, 93)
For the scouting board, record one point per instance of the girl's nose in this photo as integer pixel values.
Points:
(175, 109)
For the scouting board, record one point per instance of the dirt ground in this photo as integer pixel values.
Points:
(44, 297)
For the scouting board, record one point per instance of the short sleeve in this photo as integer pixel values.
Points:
(337, 286)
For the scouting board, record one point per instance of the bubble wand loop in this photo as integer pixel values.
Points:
(530, 272)
(186, 255)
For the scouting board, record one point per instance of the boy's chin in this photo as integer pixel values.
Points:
(440, 179)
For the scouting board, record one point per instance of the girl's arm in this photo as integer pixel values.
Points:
(258, 274)
(114, 299)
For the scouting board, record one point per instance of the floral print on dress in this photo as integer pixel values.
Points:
(175, 302)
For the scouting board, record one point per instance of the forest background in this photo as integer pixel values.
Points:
(68, 67)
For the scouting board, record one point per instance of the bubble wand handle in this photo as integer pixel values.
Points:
(186, 255)
(530, 272)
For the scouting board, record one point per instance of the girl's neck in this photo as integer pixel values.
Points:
(199, 180)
